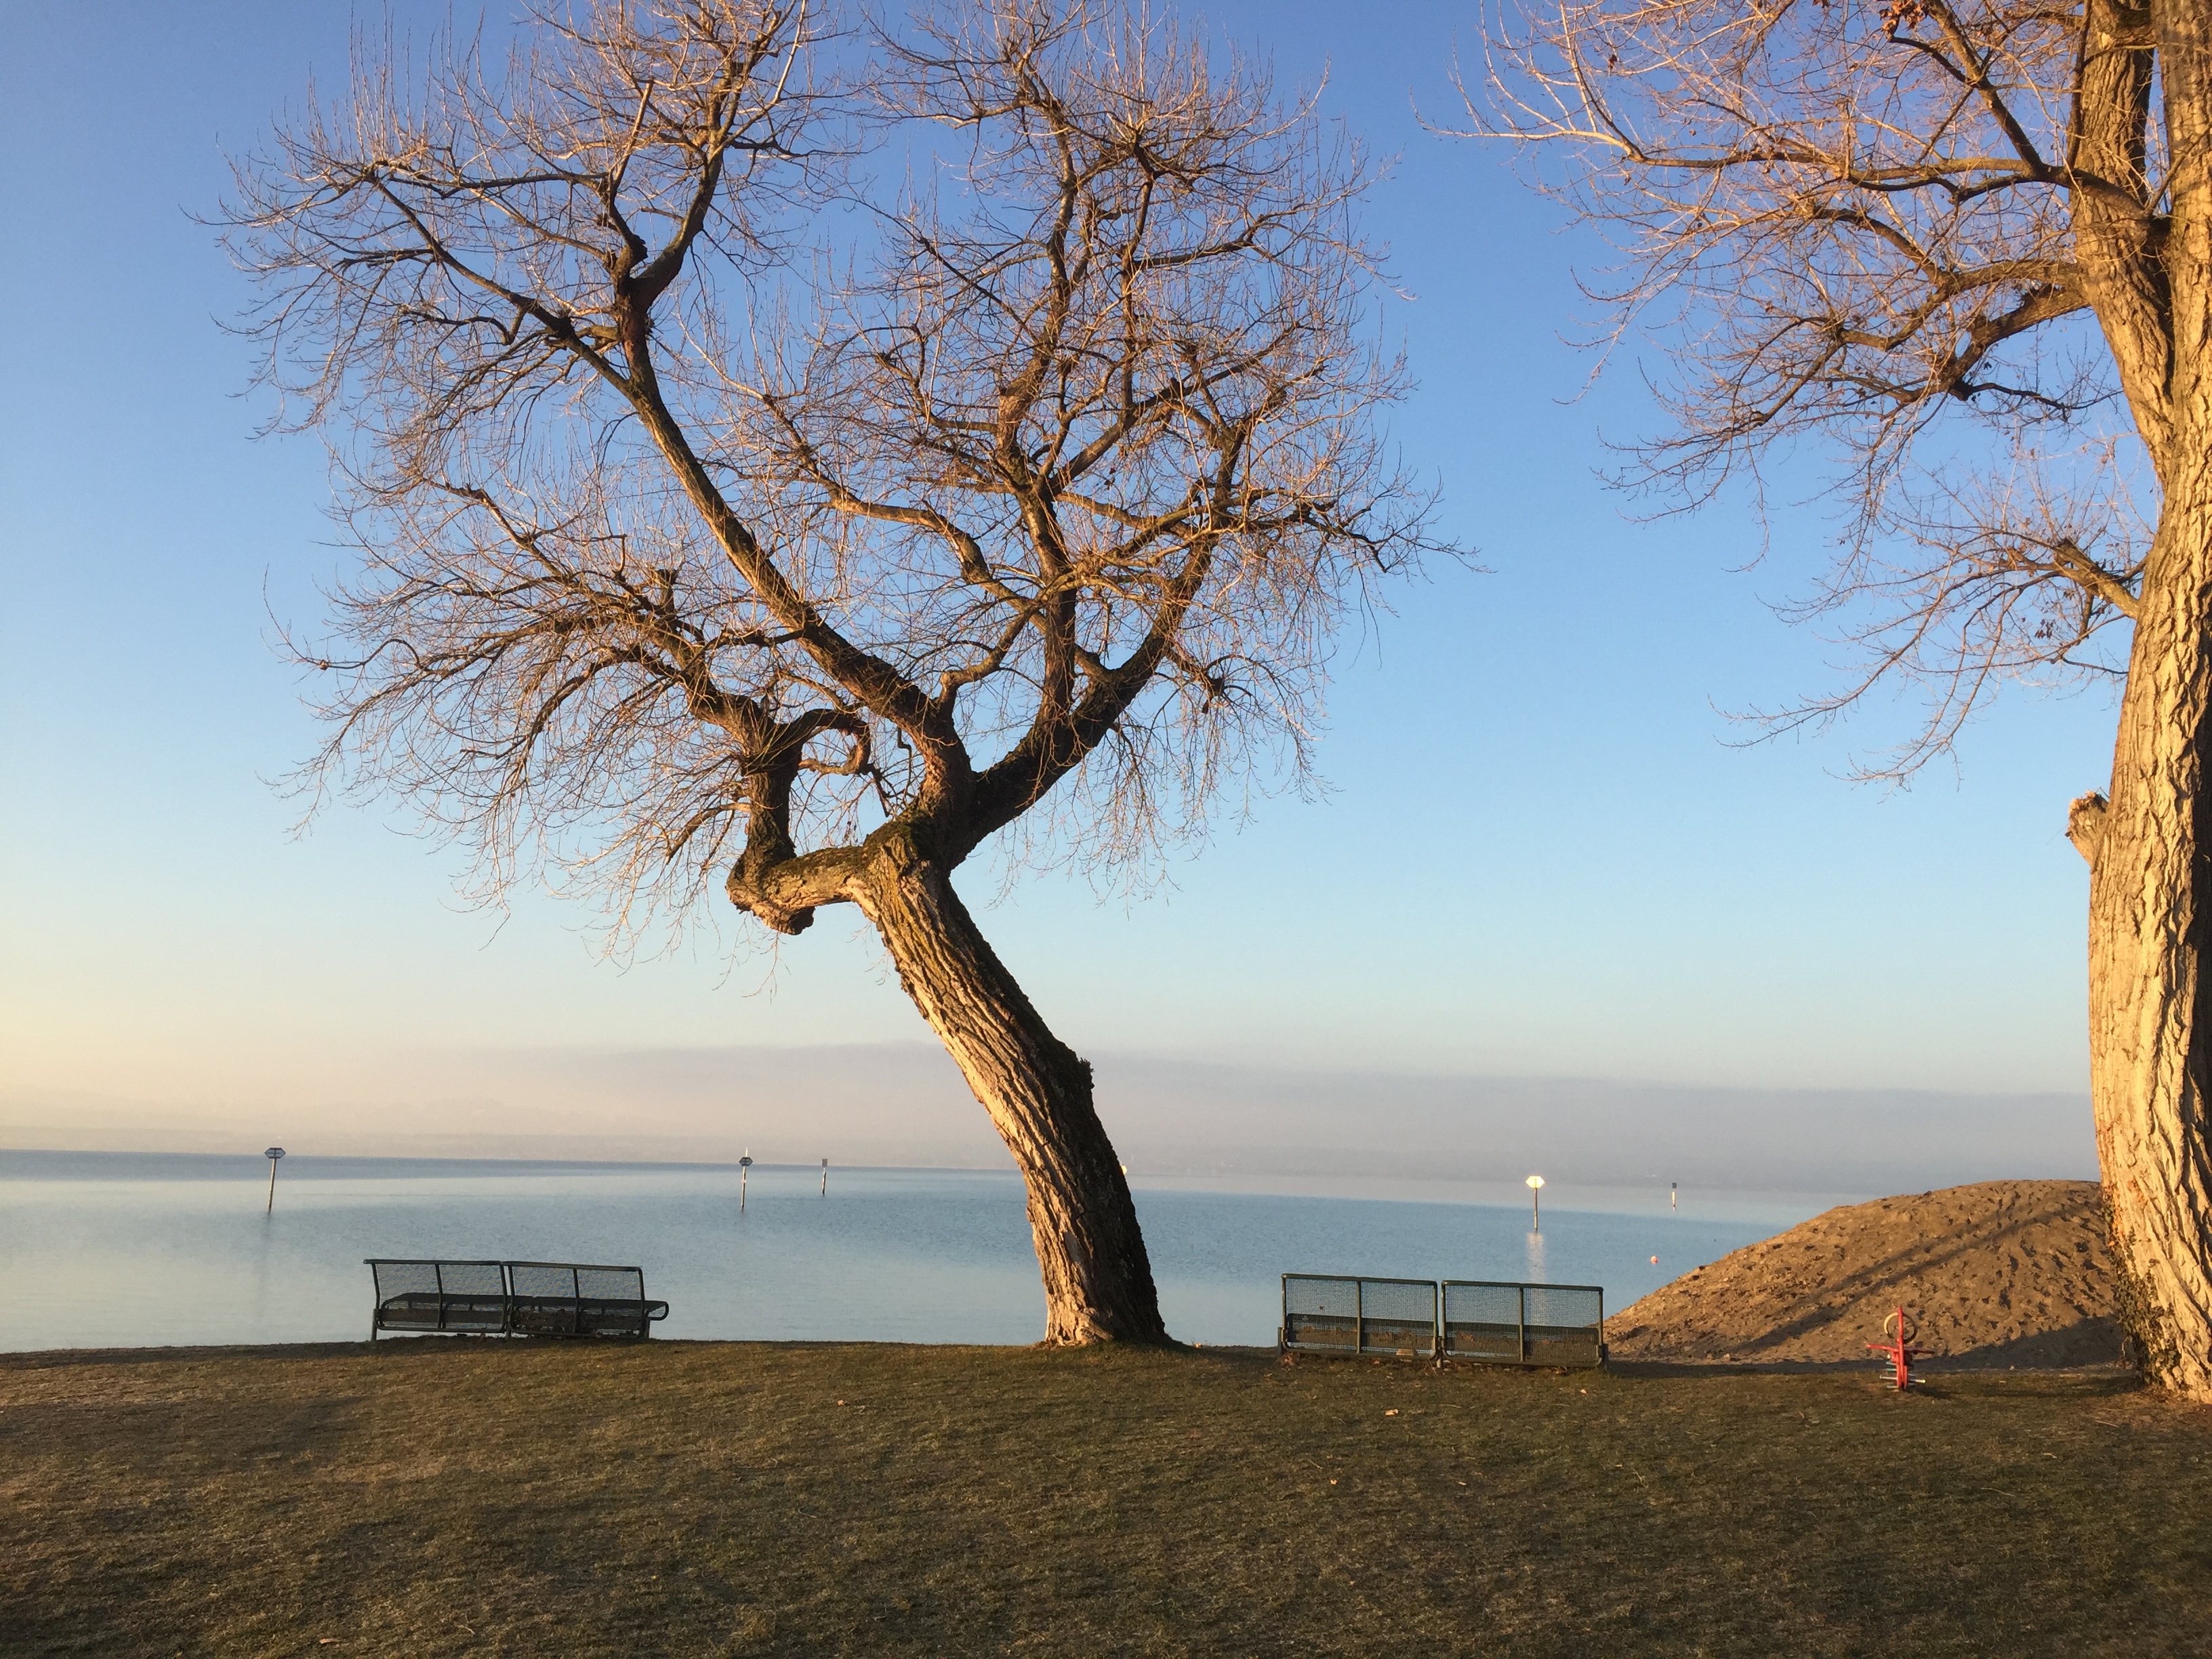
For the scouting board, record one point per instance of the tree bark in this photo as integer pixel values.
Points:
(2150, 993)
(1098, 1279)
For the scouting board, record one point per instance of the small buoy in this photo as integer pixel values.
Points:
(1655, 1261)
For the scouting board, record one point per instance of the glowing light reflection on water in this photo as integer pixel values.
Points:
(114, 1249)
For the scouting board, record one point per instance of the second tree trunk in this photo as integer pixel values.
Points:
(2150, 996)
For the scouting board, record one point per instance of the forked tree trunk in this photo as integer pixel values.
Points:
(1098, 1279)
(2150, 956)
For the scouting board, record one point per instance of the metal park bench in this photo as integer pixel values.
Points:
(510, 1298)
(1504, 1323)
(1495, 1322)
(1381, 1316)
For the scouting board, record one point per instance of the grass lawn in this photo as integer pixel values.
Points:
(431, 1498)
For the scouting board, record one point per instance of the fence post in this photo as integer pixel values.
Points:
(1521, 1303)
(1359, 1317)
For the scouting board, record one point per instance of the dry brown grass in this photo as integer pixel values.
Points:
(481, 1498)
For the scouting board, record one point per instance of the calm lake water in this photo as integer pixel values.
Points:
(119, 1249)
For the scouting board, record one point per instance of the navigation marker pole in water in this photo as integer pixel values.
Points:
(743, 1164)
(1671, 1191)
(825, 1177)
(1535, 1203)
(272, 1155)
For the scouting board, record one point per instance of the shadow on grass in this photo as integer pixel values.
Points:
(147, 1433)
(39, 1359)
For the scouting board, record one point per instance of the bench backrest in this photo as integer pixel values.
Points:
(576, 1281)
(1327, 1314)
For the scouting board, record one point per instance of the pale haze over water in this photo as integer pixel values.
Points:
(116, 1249)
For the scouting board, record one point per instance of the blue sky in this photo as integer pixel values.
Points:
(1540, 857)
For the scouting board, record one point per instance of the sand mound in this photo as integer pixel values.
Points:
(2002, 1273)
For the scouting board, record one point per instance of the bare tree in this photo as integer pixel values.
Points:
(694, 549)
(1866, 217)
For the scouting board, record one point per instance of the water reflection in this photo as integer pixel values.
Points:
(261, 1270)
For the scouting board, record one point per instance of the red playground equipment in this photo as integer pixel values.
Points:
(1898, 1350)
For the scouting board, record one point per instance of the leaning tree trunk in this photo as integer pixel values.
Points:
(1098, 1279)
(2150, 930)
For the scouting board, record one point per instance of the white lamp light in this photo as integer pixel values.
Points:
(1535, 1201)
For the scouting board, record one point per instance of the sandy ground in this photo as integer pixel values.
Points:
(1998, 1273)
